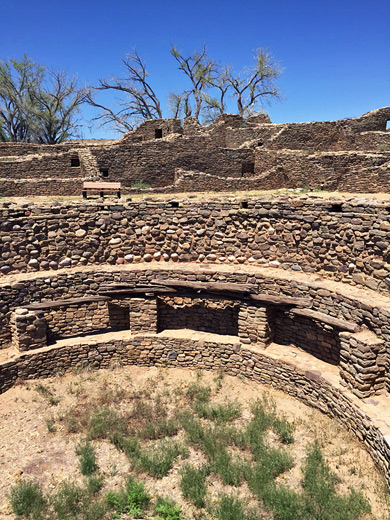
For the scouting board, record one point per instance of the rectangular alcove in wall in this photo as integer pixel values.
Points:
(216, 316)
(247, 167)
(119, 316)
(158, 133)
(74, 162)
(318, 339)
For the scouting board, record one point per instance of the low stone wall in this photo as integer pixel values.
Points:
(154, 350)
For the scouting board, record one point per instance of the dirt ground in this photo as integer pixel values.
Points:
(29, 450)
(209, 195)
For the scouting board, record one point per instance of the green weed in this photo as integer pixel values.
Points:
(167, 509)
(193, 484)
(133, 499)
(28, 500)
(87, 457)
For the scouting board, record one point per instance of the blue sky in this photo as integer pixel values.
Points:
(335, 55)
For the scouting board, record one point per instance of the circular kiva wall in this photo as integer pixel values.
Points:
(319, 340)
(292, 293)
(341, 240)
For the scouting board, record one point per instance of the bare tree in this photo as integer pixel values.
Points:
(216, 106)
(199, 68)
(179, 104)
(141, 102)
(255, 84)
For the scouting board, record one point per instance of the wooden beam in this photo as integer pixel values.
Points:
(208, 286)
(134, 291)
(65, 302)
(349, 326)
(274, 299)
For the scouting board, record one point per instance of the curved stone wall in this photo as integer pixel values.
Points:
(365, 308)
(315, 389)
(342, 240)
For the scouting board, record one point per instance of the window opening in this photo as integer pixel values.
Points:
(158, 133)
(74, 162)
(248, 167)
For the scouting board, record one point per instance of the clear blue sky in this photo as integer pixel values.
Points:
(335, 54)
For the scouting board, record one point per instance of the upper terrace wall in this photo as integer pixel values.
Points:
(265, 155)
(341, 240)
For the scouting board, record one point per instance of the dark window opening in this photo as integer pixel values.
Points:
(119, 317)
(158, 133)
(336, 208)
(244, 204)
(175, 204)
(248, 167)
(104, 172)
(260, 143)
(74, 162)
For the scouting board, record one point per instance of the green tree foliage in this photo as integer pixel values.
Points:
(37, 105)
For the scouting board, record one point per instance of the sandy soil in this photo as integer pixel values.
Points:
(29, 450)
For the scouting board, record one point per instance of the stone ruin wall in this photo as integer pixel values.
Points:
(232, 153)
(347, 241)
(144, 348)
(365, 313)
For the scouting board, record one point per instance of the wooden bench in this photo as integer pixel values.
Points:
(102, 188)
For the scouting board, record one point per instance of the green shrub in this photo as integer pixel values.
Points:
(198, 393)
(27, 499)
(220, 413)
(67, 502)
(129, 445)
(140, 185)
(284, 430)
(87, 457)
(159, 459)
(321, 498)
(133, 499)
(231, 472)
(168, 509)
(95, 484)
(284, 503)
(230, 508)
(159, 428)
(104, 423)
(193, 484)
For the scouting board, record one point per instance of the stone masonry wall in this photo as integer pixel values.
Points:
(319, 339)
(262, 154)
(341, 305)
(363, 362)
(211, 315)
(348, 241)
(77, 320)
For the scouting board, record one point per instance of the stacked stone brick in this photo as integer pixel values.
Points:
(232, 153)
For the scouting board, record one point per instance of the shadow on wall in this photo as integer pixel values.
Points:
(318, 339)
(216, 317)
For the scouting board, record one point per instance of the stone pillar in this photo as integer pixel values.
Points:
(28, 329)
(362, 362)
(143, 314)
(255, 323)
